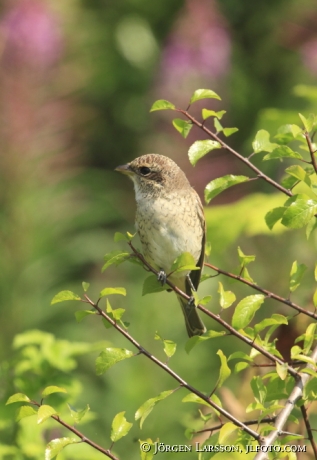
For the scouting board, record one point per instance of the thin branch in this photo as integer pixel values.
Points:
(282, 417)
(80, 435)
(309, 429)
(173, 374)
(311, 151)
(244, 160)
(217, 318)
(264, 291)
(247, 422)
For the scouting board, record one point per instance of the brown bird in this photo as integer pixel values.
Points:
(170, 221)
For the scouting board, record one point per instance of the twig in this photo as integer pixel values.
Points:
(80, 435)
(309, 429)
(282, 417)
(217, 318)
(173, 374)
(245, 160)
(264, 291)
(247, 422)
(311, 151)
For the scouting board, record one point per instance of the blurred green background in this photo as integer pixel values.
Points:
(77, 80)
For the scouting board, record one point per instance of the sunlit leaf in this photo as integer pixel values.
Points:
(275, 319)
(115, 258)
(300, 209)
(85, 286)
(24, 411)
(45, 412)
(64, 295)
(245, 310)
(200, 148)
(77, 416)
(244, 259)
(109, 291)
(226, 430)
(182, 126)
(228, 131)
(282, 370)
(211, 113)
(220, 184)
(52, 389)
(18, 397)
(148, 406)
(147, 449)
(55, 446)
(81, 314)
(152, 285)
(162, 104)
(262, 142)
(193, 341)
(225, 370)
(299, 173)
(191, 397)
(184, 262)
(120, 427)
(109, 357)
(203, 94)
(226, 297)
(273, 216)
(309, 337)
(259, 389)
(297, 272)
(282, 151)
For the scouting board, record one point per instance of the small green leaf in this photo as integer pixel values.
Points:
(275, 319)
(52, 389)
(245, 310)
(299, 173)
(148, 406)
(315, 272)
(226, 430)
(244, 259)
(77, 416)
(240, 367)
(225, 371)
(273, 216)
(282, 151)
(220, 184)
(109, 291)
(204, 300)
(211, 113)
(147, 449)
(226, 297)
(65, 295)
(193, 341)
(81, 314)
(120, 427)
(259, 389)
(287, 133)
(169, 346)
(182, 126)
(218, 125)
(315, 298)
(204, 94)
(109, 357)
(25, 411)
(18, 397)
(162, 104)
(262, 142)
(300, 209)
(239, 355)
(45, 412)
(297, 272)
(309, 337)
(281, 370)
(308, 122)
(55, 446)
(118, 236)
(200, 148)
(151, 285)
(184, 262)
(191, 397)
(115, 258)
(228, 131)
(85, 286)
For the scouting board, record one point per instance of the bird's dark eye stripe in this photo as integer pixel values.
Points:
(144, 170)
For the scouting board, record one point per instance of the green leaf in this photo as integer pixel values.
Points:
(281, 370)
(109, 291)
(287, 133)
(193, 341)
(275, 319)
(239, 355)
(81, 314)
(200, 148)
(220, 184)
(273, 216)
(162, 104)
(78, 415)
(52, 389)
(228, 131)
(115, 258)
(315, 298)
(55, 446)
(315, 272)
(18, 397)
(308, 122)
(148, 406)
(152, 285)
(282, 151)
(169, 348)
(204, 94)
(299, 173)
(65, 295)
(120, 427)
(297, 272)
(85, 286)
(226, 430)
(182, 126)
(109, 357)
(245, 310)
(259, 389)
(244, 259)
(118, 236)
(226, 297)
(309, 337)
(147, 449)
(300, 209)
(24, 411)
(262, 142)
(45, 412)
(191, 397)
(184, 262)
(225, 371)
(211, 113)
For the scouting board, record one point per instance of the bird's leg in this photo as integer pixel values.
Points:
(161, 277)
(191, 300)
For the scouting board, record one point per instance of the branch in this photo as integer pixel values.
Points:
(264, 291)
(173, 374)
(309, 430)
(311, 150)
(80, 435)
(217, 318)
(244, 160)
(247, 422)
(282, 417)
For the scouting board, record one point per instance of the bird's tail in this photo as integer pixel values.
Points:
(194, 324)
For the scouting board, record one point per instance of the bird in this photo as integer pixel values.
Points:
(170, 221)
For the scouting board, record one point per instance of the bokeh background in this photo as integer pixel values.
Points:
(77, 80)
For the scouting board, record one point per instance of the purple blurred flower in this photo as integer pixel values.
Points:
(31, 35)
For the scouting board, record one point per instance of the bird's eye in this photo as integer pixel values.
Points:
(144, 170)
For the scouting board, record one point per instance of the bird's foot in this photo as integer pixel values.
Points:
(190, 304)
(161, 277)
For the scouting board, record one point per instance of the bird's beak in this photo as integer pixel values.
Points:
(124, 169)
